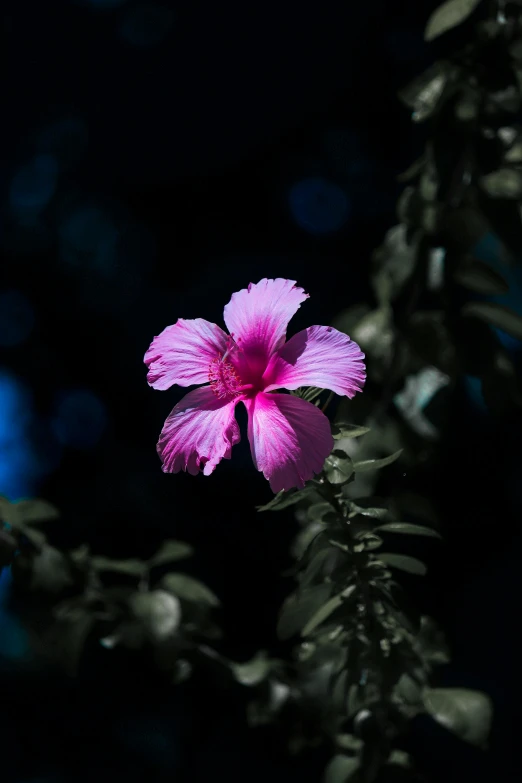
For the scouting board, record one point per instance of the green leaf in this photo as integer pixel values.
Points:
(189, 589)
(370, 541)
(33, 535)
(308, 393)
(412, 171)
(406, 527)
(338, 467)
(504, 183)
(253, 672)
(370, 511)
(374, 464)
(481, 278)
(448, 15)
(432, 643)
(327, 609)
(171, 551)
(284, 499)
(299, 607)
(158, 611)
(314, 567)
(348, 742)
(304, 540)
(404, 563)
(49, 570)
(130, 567)
(514, 153)
(26, 512)
(400, 758)
(495, 315)
(341, 429)
(341, 769)
(317, 511)
(424, 94)
(466, 713)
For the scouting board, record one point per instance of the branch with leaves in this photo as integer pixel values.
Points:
(366, 656)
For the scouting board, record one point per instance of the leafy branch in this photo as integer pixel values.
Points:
(367, 655)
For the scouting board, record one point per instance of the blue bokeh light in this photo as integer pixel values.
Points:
(473, 387)
(16, 318)
(15, 411)
(146, 25)
(89, 237)
(318, 205)
(66, 139)
(102, 4)
(17, 471)
(33, 185)
(490, 251)
(26, 235)
(80, 419)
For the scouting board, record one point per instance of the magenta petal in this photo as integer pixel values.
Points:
(198, 433)
(257, 316)
(318, 356)
(289, 439)
(183, 352)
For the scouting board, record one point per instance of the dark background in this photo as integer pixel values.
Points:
(155, 159)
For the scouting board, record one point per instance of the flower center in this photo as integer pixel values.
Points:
(223, 378)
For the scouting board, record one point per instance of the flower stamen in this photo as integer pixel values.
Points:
(223, 378)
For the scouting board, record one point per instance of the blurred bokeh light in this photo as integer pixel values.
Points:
(88, 237)
(80, 419)
(146, 24)
(65, 138)
(33, 185)
(319, 205)
(16, 318)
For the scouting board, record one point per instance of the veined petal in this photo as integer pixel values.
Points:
(257, 316)
(199, 432)
(318, 356)
(289, 438)
(182, 353)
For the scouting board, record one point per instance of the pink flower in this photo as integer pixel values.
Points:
(289, 437)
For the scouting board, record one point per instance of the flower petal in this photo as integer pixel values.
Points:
(182, 353)
(289, 438)
(318, 356)
(257, 316)
(198, 433)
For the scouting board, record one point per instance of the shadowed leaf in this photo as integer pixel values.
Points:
(374, 464)
(189, 589)
(299, 607)
(252, 672)
(284, 499)
(341, 769)
(129, 567)
(158, 611)
(504, 183)
(481, 278)
(465, 712)
(447, 16)
(495, 315)
(170, 551)
(404, 563)
(409, 529)
(326, 610)
(338, 467)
